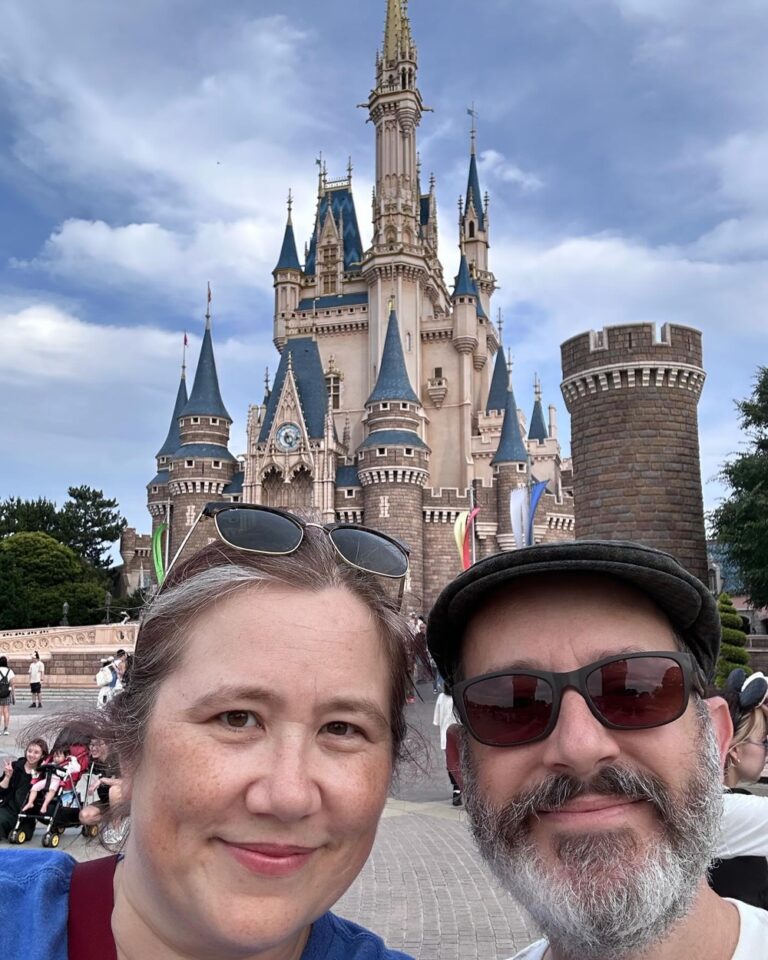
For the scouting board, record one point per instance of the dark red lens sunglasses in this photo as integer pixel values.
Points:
(633, 691)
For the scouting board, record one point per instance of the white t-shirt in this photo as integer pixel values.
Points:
(36, 671)
(7, 671)
(752, 945)
(744, 827)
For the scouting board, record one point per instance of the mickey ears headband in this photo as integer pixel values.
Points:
(752, 690)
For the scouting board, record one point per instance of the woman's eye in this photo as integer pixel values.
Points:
(339, 728)
(238, 719)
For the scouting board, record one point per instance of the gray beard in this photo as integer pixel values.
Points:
(606, 897)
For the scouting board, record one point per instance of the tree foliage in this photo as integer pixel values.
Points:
(740, 523)
(38, 575)
(732, 648)
(88, 522)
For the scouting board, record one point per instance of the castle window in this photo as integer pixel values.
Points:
(438, 373)
(629, 341)
(383, 508)
(214, 421)
(235, 499)
(189, 463)
(217, 464)
(163, 460)
(349, 494)
(409, 451)
(472, 230)
(521, 467)
(381, 451)
(408, 342)
(195, 419)
(405, 406)
(154, 489)
(385, 406)
(333, 384)
(191, 514)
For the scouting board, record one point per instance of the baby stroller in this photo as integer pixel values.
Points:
(64, 809)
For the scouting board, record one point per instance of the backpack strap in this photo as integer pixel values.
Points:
(91, 902)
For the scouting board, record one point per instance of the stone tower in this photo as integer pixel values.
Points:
(392, 462)
(635, 444)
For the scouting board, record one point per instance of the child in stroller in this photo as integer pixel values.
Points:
(57, 774)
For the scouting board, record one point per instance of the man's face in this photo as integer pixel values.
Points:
(635, 809)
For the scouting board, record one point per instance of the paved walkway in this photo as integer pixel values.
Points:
(423, 889)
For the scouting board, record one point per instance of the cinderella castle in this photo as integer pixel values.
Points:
(392, 404)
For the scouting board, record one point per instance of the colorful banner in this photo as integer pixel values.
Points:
(459, 532)
(157, 553)
(536, 494)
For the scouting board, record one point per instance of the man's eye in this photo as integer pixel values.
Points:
(239, 719)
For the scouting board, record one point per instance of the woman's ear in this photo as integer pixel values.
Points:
(720, 717)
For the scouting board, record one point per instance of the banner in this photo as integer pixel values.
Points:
(518, 515)
(157, 553)
(459, 532)
(468, 535)
(536, 494)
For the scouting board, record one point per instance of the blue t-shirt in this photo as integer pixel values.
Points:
(34, 905)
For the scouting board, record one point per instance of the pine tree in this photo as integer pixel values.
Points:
(732, 651)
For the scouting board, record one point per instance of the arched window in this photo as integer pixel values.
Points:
(300, 490)
(471, 229)
(272, 488)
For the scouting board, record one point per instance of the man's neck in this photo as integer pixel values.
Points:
(710, 931)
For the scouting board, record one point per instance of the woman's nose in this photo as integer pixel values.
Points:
(285, 786)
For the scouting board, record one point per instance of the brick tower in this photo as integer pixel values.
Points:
(392, 462)
(635, 443)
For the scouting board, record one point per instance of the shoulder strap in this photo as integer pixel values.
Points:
(91, 902)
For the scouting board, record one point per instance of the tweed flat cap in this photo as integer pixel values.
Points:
(687, 602)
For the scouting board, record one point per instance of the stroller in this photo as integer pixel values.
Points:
(64, 809)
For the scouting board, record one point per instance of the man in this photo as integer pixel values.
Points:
(592, 766)
(36, 674)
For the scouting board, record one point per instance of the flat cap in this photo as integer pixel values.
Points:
(687, 602)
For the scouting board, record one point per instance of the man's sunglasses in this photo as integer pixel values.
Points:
(274, 532)
(634, 691)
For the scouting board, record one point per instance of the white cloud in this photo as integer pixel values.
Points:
(496, 167)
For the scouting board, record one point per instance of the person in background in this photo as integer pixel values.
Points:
(443, 718)
(66, 766)
(745, 878)
(7, 693)
(36, 674)
(15, 783)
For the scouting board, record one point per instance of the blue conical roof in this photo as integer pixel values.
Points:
(538, 429)
(511, 446)
(393, 382)
(173, 440)
(289, 258)
(473, 192)
(465, 285)
(205, 399)
(497, 395)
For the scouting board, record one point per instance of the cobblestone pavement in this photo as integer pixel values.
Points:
(423, 889)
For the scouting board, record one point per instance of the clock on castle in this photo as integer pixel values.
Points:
(392, 404)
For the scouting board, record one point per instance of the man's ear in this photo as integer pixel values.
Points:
(722, 724)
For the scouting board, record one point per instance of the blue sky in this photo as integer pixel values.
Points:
(147, 148)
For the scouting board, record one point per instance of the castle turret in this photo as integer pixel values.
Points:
(510, 468)
(538, 428)
(497, 395)
(202, 467)
(287, 276)
(474, 227)
(392, 461)
(633, 402)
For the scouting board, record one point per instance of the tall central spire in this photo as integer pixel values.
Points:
(397, 32)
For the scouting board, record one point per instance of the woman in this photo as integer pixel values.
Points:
(15, 783)
(103, 784)
(256, 740)
(744, 877)
(7, 693)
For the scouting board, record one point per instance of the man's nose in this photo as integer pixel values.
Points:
(579, 745)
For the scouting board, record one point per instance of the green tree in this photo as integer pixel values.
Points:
(740, 523)
(90, 524)
(29, 516)
(732, 649)
(43, 574)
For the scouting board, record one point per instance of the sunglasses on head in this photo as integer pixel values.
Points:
(274, 532)
(633, 691)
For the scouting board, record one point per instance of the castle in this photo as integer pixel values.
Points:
(392, 404)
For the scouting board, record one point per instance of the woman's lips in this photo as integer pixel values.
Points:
(590, 811)
(270, 859)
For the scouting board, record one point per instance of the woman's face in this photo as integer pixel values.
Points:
(263, 773)
(34, 754)
(98, 749)
(752, 753)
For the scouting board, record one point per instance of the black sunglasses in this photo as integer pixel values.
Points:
(633, 691)
(274, 532)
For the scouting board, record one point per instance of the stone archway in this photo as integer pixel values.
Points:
(272, 492)
(300, 490)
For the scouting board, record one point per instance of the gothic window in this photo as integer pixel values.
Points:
(333, 383)
(329, 285)
(438, 373)
(383, 508)
(408, 342)
(471, 229)
(272, 488)
(191, 515)
(300, 490)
